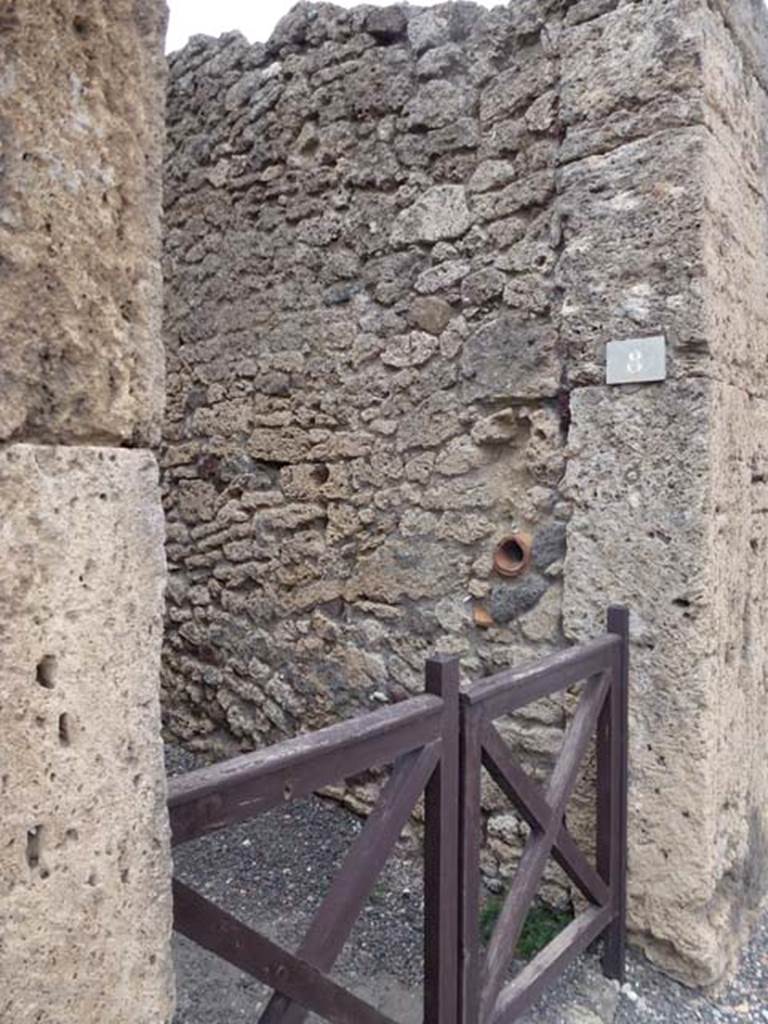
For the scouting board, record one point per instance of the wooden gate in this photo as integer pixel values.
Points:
(437, 744)
(604, 664)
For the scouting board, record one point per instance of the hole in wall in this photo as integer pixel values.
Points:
(46, 672)
(320, 473)
(65, 730)
(81, 26)
(310, 147)
(34, 846)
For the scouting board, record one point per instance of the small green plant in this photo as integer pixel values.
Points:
(542, 924)
(489, 914)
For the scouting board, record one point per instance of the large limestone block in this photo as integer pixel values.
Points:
(662, 188)
(634, 71)
(85, 911)
(734, 244)
(736, 99)
(661, 481)
(738, 546)
(747, 21)
(632, 261)
(81, 101)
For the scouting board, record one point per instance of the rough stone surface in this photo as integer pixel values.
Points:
(667, 484)
(81, 99)
(397, 244)
(440, 213)
(85, 912)
(356, 415)
(84, 896)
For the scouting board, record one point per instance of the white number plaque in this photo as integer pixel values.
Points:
(636, 360)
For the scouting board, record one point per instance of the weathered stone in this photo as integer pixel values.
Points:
(649, 184)
(516, 88)
(676, 534)
(413, 349)
(544, 620)
(430, 314)
(81, 98)
(442, 277)
(483, 287)
(509, 601)
(440, 62)
(500, 428)
(492, 174)
(549, 545)
(629, 74)
(386, 25)
(84, 883)
(428, 29)
(437, 104)
(511, 358)
(441, 213)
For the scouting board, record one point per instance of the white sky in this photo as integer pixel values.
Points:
(254, 18)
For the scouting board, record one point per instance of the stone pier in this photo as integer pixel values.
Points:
(85, 913)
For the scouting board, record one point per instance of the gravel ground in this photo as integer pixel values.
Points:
(272, 873)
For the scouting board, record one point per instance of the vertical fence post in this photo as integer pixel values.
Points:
(471, 824)
(441, 854)
(612, 796)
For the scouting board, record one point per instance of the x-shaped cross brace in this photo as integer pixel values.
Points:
(544, 813)
(299, 980)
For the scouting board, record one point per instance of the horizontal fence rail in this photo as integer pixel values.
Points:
(238, 789)
(438, 744)
(421, 737)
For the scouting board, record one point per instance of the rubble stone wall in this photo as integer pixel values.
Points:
(364, 375)
(396, 244)
(85, 910)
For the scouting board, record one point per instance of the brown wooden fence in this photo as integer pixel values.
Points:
(437, 744)
(602, 709)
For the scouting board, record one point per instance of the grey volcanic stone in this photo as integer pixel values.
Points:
(511, 600)
(386, 24)
(511, 357)
(440, 213)
(549, 545)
